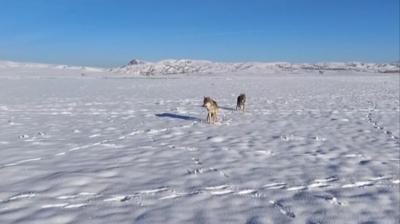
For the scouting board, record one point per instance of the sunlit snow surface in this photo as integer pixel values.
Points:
(98, 148)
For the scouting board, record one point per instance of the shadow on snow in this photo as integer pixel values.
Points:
(224, 108)
(177, 116)
(227, 108)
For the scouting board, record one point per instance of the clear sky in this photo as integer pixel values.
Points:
(111, 32)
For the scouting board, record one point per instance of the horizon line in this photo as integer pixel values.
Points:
(204, 60)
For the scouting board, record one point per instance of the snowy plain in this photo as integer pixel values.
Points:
(87, 145)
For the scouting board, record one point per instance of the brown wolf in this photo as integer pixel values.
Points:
(241, 100)
(212, 108)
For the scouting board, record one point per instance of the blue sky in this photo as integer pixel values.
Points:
(111, 32)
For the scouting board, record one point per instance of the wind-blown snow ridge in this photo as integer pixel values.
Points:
(185, 66)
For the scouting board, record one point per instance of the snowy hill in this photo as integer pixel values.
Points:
(185, 66)
(165, 67)
(23, 65)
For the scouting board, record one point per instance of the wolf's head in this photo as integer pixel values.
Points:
(207, 102)
(241, 98)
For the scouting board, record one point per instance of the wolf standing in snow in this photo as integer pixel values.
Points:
(212, 109)
(241, 100)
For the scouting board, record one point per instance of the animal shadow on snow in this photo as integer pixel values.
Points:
(178, 116)
(227, 108)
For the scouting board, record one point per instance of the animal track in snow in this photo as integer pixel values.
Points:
(176, 195)
(118, 198)
(23, 136)
(297, 188)
(73, 196)
(320, 183)
(317, 185)
(247, 191)
(319, 139)
(201, 170)
(216, 139)
(331, 199)
(375, 124)
(287, 138)
(153, 191)
(283, 209)
(19, 196)
(359, 184)
(206, 170)
(221, 192)
(326, 180)
(217, 187)
(380, 178)
(161, 193)
(173, 196)
(274, 186)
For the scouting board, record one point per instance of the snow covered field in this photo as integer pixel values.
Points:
(106, 148)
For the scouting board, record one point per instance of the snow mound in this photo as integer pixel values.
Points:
(185, 66)
(165, 67)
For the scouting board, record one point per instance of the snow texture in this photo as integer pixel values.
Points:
(87, 145)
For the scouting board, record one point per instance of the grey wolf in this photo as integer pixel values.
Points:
(212, 109)
(241, 101)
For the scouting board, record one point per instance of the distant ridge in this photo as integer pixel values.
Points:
(186, 66)
(29, 65)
